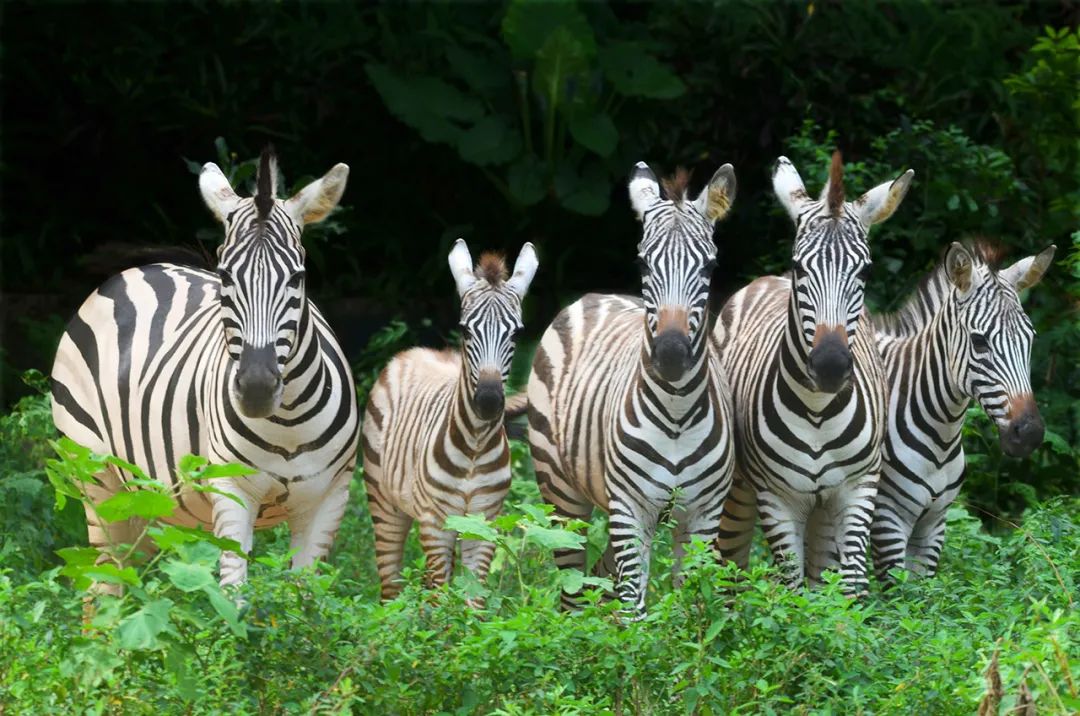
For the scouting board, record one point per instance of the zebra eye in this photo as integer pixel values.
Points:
(710, 266)
(864, 274)
(642, 266)
(517, 333)
(225, 277)
(796, 267)
(978, 342)
(296, 279)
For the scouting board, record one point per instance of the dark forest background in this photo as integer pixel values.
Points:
(505, 123)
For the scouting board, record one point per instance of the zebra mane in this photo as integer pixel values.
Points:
(835, 196)
(492, 268)
(266, 182)
(675, 186)
(928, 296)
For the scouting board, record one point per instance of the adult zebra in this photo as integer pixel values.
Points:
(238, 366)
(433, 437)
(962, 335)
(808, 388)
(628, 406)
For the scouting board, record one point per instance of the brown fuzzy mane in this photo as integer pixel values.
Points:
(835, 198)
(991, 252)
(675, 186)
(492, 268)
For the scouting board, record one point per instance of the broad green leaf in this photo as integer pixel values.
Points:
(635, 73)
(595, 131)
(110, 573)
(526, 180)
(483, 72)
(169, 536)
(560, 68)
(79, 556)
(197, 487)
(529, 24)
(489, 141)
(141, 503)
(233, 469)
(588, 193)
(506, 522)
(225, 607)
(539, 513)
(472, 527)
(188, 577)
(553, 538)
(429, 105)
(571, 580)
(141, 629)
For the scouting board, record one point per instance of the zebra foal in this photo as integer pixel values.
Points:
(236, 365)
(963, 335)
(433, 439)
(808, 388)
(628, 406)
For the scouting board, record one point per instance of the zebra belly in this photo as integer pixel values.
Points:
(931, 491)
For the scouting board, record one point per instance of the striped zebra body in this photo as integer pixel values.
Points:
(146, 372)
(433, 439)
(808, 390)
(963, 335)
(628, 407)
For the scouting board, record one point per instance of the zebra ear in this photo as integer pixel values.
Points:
(789, 187)
(714, 201)
(314, 202)
(1027, 272)
(524, 270)
(878, 204)
(461, 266)
(958, 264)
(216, 191)
(644, 189)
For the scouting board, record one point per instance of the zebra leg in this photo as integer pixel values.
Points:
(391, 527)
(695, 522)
(737, 522)
(821, 543)
(570, 504)
(438, 545)
(784, 526)
(855, 515)
(631, 531)
(476, 556)
(927, 540)
(235, 522)
(890, 534)
(312, 532)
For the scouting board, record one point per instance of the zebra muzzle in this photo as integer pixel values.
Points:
(1025, 430)
(489, 398)
(258, 382)
(829, 364)
(671, 355)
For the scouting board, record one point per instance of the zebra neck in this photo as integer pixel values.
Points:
(466, 431)
(678, 399)
(934, 389)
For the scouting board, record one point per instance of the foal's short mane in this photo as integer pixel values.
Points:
(264, 182)
(492, 268)
(675, 186)
(924, 301)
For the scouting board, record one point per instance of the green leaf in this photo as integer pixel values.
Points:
(553, 538)
(595, 131)
(225, 607)
(427, 104)
(472, 527)
(141, 503)
(635, 73)
(526, 180)
(588, 193)
(110, 573)
(571, 580)
(561, 59)
(529, 24)
(188, 577)
(170, 536)
(141, 629)
(490, 141)
(484, 73)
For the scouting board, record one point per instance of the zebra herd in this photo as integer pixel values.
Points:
(838, 431)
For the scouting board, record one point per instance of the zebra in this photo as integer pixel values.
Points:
(236, 365)
(433, 440)
(962, 335)
(808, 388)
(628, 407)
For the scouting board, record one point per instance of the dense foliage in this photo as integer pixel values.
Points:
(1001, 612)
(504, 123)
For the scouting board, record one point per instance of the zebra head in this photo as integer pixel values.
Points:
(261, 267)
(677, 257)
(830, 264)
(490, 321)
(991, 351)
